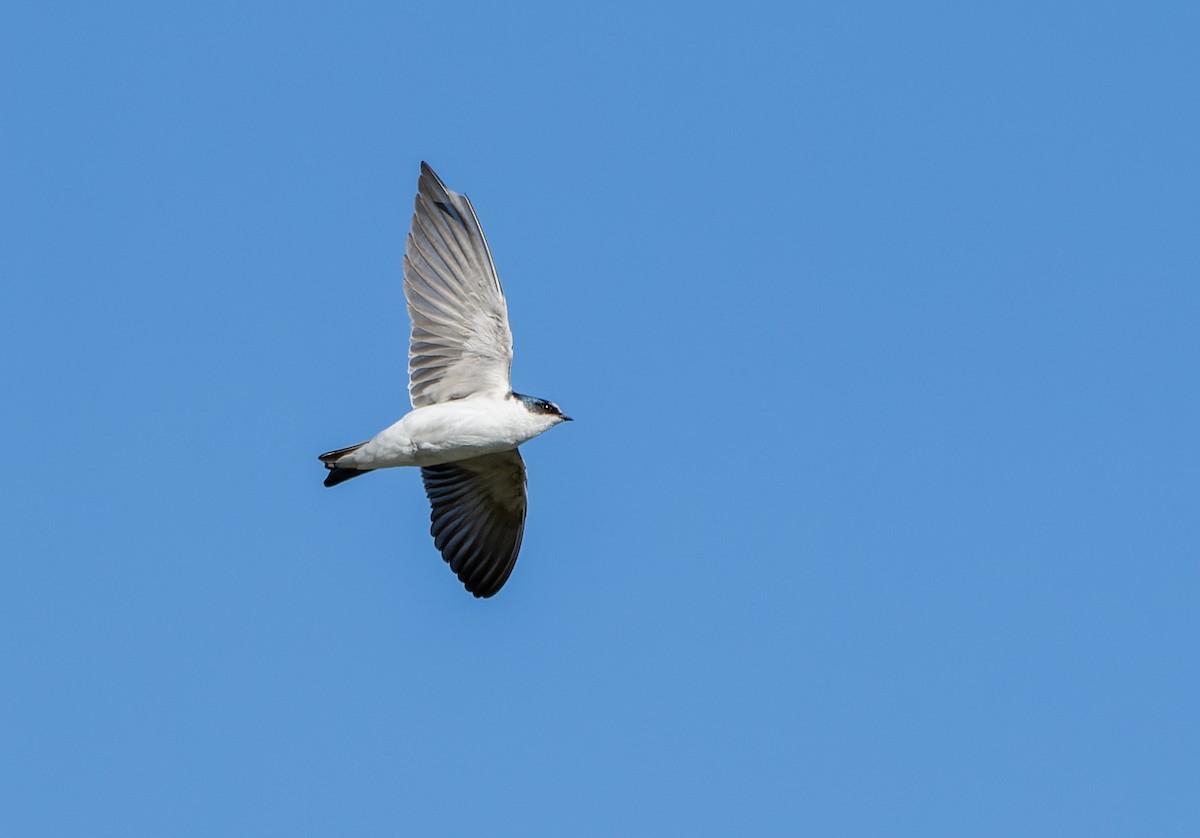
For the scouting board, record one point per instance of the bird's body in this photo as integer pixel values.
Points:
(466, 422)
(451, 431)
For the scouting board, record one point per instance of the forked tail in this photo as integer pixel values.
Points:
(340, 474)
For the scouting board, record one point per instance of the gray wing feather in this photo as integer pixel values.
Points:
(461, 343)
(478, 517)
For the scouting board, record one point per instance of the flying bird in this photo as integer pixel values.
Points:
(466, 422)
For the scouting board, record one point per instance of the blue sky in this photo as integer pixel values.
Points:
(879, 515)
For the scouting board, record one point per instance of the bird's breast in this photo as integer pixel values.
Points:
(467, 428)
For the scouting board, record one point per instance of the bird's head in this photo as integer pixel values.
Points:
(541, 407)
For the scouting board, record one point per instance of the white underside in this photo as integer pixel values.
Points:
(451, 431)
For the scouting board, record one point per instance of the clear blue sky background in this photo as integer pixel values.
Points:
(879, 322)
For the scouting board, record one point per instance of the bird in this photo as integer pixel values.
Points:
(466, 423)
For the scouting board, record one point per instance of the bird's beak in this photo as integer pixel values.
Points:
(567, 419)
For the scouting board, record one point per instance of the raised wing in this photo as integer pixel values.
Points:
(478, 517)
(461, 344)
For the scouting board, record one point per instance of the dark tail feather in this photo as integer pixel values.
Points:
(334, 456)
(337, 474)
(341, 475)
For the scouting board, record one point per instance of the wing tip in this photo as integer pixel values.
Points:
(429, 183)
